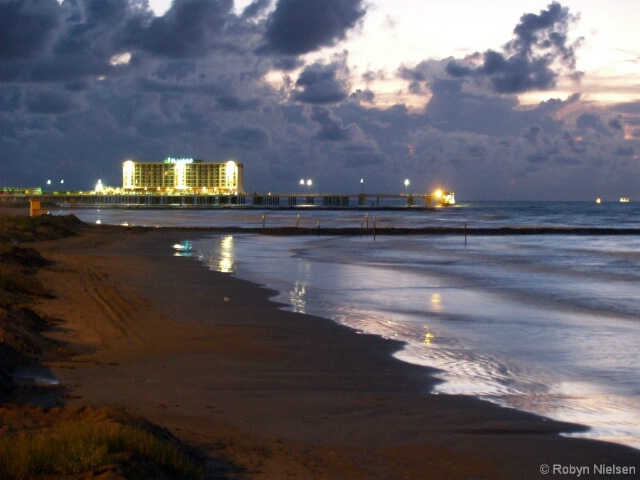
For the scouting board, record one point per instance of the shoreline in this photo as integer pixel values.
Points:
(262, 392)
(474, 381)
(210, 357)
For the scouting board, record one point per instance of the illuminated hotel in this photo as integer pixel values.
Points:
(183, 175)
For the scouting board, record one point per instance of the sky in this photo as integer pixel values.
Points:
(495, 100)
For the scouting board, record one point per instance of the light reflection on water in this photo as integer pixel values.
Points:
(517, 328)
(224, 259)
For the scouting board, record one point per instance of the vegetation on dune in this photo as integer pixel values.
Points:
(76, 447)
(21, 228)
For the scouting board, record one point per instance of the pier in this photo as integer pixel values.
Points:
(258, 200)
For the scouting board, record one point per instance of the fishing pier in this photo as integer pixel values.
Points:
(259, 200)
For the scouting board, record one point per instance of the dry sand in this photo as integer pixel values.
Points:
(270, 394)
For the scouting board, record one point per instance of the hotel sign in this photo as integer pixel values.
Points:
(178, 160)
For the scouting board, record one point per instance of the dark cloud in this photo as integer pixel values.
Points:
(302, 26)
(533, 60)
(625, 151)
(256, 8)
(250, 138)
(574, 146)
(416, 78)
(236, 104)
(616, 124)
(590, 121)
(10, 98)
(422, 75)
(360, 155)
(49, 103)
(26, 26)
(567, 161)
(178, 70)
(371, 76)
(287, 63)
(451, 109)
(331, 128)
(190, 28)
(321, 84)
(532, 133)
(85, 84)
(364, 96)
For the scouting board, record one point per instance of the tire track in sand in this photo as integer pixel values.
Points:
(117, 308)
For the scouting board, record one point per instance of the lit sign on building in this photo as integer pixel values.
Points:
(178, 160)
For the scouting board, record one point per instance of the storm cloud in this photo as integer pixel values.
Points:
(301, 26)
(533, 60)
(321, 84)
(26, 27)
(191, 28)
(85, 84)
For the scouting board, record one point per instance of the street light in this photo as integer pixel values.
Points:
(361, 186)
(406, 186)
(309, 183)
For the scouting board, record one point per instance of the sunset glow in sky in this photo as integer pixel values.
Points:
(495, 100)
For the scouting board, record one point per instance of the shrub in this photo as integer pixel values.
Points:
(75, 447)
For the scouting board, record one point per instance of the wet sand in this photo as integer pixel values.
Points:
(278, 394)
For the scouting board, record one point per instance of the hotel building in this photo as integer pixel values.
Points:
(183, 175)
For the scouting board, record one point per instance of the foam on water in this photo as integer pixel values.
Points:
(525, 332)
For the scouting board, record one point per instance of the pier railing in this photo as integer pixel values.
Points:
(283, 200)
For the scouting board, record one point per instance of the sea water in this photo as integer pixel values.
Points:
(544, 323)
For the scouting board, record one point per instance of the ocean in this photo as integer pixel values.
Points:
(544, 323)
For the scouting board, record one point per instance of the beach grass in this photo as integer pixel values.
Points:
(18, 283)
(22, 228)
(78, 447)
(72, 446)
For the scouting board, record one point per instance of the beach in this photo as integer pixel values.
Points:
(268, 393)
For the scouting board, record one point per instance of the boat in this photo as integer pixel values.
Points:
(624, 200)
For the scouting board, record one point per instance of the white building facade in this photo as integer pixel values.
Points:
(183, 175)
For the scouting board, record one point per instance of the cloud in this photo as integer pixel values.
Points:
(451, 108)
(590, 121)
(532, 134)
(363, 96)
(625, 151)
(533, 60)
(85, 84)
(322, 84)
(50, 103)
(26, 27)
(256, 8)
(190, 28)
(10, 98)
(330, 126)
(251, 138)
(297, 27)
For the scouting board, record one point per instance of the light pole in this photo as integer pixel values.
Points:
(361, 186)
(406, 187)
